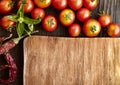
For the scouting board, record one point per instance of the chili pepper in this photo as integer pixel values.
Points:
(9, 45)
(4, 67)
(12, 69)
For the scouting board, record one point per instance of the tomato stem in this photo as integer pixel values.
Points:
(42, 0)
(92, 0)
(101, 12)
(11, 4)
(93, 28)
(68, 16)
(50, 22)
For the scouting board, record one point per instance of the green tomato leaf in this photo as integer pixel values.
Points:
(12, 17)
(20, 12)
(24, 25)
(20, 29)
(28, 32)
(31, 27)
(31, 21)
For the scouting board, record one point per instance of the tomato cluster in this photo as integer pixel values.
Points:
(70, 11)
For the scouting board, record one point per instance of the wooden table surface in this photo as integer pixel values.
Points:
(111, 7)
(68, 61)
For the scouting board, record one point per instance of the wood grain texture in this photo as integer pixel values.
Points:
(71, 61)
(111, 7)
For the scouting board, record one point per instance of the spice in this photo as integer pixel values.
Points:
(7, 46)
(12, 69)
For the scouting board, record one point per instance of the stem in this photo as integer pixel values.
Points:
(93, 28)
(50, 22)
(101, 13)
(67, 16)
(92, 0)
(16, 40)
(8, 37)
(42, 0)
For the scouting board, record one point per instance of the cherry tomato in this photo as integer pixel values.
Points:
(6, 6)
(28, 7)
(42, 3)
(38, 13)
(59, 4)
(75, 4)
(91, 28)
(5, 23)
(105, 20)
(67, 17)
(113, 30)
(83, 14)
(74, 30)
(49, 23)
(90, 4)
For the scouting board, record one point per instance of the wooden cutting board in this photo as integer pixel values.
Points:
(71, 61)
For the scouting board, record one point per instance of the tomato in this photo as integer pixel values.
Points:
(67, 17)
(83, 14)
(113, 30)
(59, 4)
(105, 20)
(75, 4)
(6, 6)
(28, 7)
(91, 28)
(49, 23)
(5, 23)
(74, 30)
(42, 3)
(90, 4)
(38, 13)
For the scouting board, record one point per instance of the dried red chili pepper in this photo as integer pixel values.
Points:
(12, 69)
(8, 45)
(4, 48)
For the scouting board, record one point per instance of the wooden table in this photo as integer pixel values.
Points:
(111, 7)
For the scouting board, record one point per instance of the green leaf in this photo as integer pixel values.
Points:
(31, 27)
(12, 17)
(31, 21)
(20, 29)
(24, 25)
(20, 12)
(28, 32)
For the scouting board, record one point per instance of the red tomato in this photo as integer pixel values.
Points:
(5, 23)
(91, 28)
(67, 17)
(59, 4)
(105, 20)
(90, 4)
(75, 4)
(113, 30)
(42, 3)
(83, 14)
(49, 23)
(28, 7)
(74, 30)
(6, 6)
(37, 13)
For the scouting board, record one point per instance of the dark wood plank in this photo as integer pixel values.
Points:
(111, 7)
